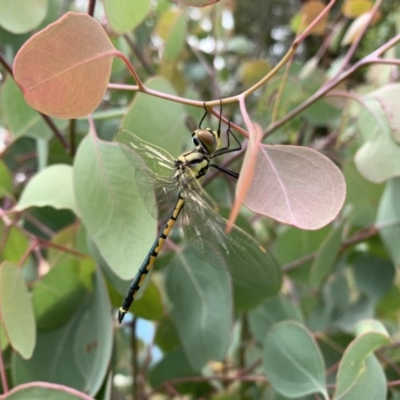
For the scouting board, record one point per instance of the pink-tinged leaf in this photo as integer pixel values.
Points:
(64, 69)
(296, 186)
(197, 3)
(44, 390)
(246, 172)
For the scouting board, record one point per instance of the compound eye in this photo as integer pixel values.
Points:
(208, 139)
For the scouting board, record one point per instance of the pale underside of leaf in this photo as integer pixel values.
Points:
(297, 186)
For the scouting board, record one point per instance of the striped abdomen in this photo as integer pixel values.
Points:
(150, 258)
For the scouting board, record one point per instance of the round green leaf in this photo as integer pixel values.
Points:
(53, 186)
(59, 293)
(353, 369)
(3, 339)
(372, 158)
(78, 353)
(292, 361)
(388, 219)
(387, 96)
(16, 311)
(149, 305)
(125, 15)
(201, 300)
(18, 16)
(370, 384)
(370, 325)
(269, 313)
(176, 38)
(111, 206)
(166, 337)
(20, 117)
(326, 256)
(362, 197)
(373, 276)
(158, 121)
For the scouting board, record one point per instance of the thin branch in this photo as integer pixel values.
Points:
(138, 53)
(372, 58)
(56, 246)
(135, 365)
(316, 21)
(32, 246)
(72, 137)
(91, 7)
(357, 40)
(222, 378)
(355, 239)
(55, 130)
(38, 224)
(380, 354)
(5, 65)
(279, 95)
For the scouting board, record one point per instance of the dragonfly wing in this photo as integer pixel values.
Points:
(159, 161)
(254, 271)
(154, 171)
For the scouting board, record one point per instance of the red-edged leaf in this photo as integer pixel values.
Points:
(197, 3)
(42, 390)
(247, 172)
(297, 186)
(64, 69)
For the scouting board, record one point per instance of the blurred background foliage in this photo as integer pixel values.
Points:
(56, 325)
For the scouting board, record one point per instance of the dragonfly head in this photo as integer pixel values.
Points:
(206, 140)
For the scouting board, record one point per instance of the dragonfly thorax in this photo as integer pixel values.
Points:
(206, 140)
(194, 161)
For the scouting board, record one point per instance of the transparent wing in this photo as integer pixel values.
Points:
(154, 171)
(255, 273)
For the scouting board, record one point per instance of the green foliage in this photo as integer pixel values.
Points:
(77, 215)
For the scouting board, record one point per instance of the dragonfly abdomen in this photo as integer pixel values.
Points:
(150, 258)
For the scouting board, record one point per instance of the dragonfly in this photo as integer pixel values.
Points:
(172, 187)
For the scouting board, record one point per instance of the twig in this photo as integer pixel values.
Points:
(91, 7)
(223, 378)
(356, 238)
(372, 58)
(5, 65)
(38, 224)
(389, 362)
(32, 245)
(138, 53)
(135, 366)
(357, 40)
(72, 136)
